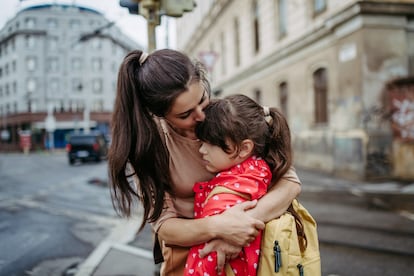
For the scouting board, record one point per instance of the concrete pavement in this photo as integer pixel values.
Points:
(122, 253)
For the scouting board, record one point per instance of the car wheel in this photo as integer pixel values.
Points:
(71, 161)
(98, 159)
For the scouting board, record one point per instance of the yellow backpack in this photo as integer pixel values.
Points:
(290, 245)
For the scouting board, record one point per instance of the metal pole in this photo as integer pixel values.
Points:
(151, 36)
(151, 24)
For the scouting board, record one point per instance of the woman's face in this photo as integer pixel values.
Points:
(187, 109)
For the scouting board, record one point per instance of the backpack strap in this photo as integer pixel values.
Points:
(224, 190)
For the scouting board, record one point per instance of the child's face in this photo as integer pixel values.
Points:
(216, 159)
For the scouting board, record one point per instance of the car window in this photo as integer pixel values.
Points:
(78, 140)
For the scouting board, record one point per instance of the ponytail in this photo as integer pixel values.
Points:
(136, 141)
(279, 150)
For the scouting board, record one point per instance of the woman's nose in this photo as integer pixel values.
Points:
(199, 114)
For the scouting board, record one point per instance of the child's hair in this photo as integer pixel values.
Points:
(236, 118)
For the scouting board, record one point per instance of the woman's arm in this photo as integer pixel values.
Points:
(234, 225)
(276, 201)
(238, 225)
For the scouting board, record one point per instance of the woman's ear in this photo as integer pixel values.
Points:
(246, 148)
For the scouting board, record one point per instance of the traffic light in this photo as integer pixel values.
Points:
(131, 5)
(176, 8)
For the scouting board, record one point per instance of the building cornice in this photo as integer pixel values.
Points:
(327, 28)
(23, 32)
(208, 21)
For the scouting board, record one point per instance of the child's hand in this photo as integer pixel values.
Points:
(225, 252)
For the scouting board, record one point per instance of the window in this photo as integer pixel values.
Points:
(97, 64)
(258, 96)
(319, 6)
(77, 85)
(76, 64)
(96, 43)
(52, 23)
(97, 86)
(31, 63)
(98, 105)
(52, 64)
(283, 98)
(54, 87)
(13, 44)
(223, 53)
(30, 41)
(321, 95)
(74, 24)
(31, 85)
(52, 43)
(236, 42)
(30, 23)
(282, 17)
(256, 31)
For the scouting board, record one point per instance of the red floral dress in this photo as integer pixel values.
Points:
(251, 178)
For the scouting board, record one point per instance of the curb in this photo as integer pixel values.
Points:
(122, 234)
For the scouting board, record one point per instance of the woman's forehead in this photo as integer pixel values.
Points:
(189, 99)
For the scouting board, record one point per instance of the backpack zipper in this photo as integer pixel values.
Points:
(300, 267)
(278, 256)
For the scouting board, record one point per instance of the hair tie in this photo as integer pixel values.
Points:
(267, 116)
(143, 58)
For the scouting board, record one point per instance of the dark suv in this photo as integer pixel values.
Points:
(86, 147)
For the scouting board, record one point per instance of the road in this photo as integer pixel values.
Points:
(52, 215)
(358, 238)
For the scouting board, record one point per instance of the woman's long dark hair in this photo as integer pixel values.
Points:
(143, 91)
(237, 117)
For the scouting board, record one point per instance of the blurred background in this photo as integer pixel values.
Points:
(341, 71)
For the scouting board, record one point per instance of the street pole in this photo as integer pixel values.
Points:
(151, 25)
(151, 36)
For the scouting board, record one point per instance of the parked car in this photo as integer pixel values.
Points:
(86, 147)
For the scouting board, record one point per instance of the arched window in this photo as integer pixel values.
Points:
(236, 30)
(258, 96)
(320, 86)
(282, 17)
(283, 98)
(256, 29)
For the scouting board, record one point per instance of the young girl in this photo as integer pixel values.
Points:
(248, 147)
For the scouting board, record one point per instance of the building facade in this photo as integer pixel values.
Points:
(58, 72)
(326, 65)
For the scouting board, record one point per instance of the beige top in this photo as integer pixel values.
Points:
(186, 168)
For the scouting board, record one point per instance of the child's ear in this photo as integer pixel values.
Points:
(246, 148)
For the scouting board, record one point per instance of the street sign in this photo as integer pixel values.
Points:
(208, 58)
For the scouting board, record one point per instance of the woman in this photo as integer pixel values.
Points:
(160, 99)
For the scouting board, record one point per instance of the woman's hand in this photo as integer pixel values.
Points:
(237, 227)
(225, 252)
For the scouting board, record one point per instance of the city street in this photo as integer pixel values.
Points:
(53, 216)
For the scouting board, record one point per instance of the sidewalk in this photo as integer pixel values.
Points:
(122, 253)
